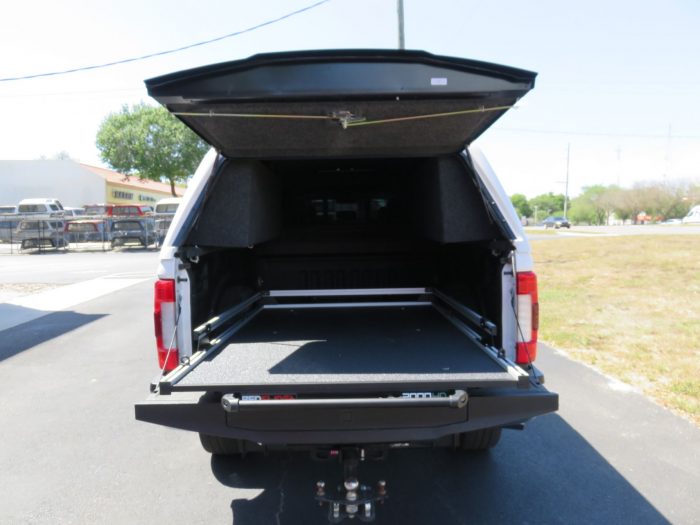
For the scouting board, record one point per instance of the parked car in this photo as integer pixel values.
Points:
(8, 228)
(73, 212)
(46, 206)
(556, 222)
(99, 210)
(130, 231)
(131, 210)
(341, 287)
(41, 234)
(164, 212)
(88, 230)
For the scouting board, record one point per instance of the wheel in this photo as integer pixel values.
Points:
(220, 446)
(482, 439)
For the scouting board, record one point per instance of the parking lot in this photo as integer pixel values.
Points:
(73, 453)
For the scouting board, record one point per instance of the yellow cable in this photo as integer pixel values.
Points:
(433, 115)
(348, 123)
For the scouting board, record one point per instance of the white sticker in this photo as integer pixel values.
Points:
(417, 395)
(438, 81)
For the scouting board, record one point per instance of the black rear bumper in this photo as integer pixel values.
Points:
(340, 424)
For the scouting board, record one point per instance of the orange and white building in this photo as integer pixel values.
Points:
(75, 184)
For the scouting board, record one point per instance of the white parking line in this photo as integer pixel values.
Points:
(30, 307)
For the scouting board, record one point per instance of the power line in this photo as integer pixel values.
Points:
(169, 51)
(72, 93)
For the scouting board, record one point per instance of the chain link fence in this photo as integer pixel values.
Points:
(37, 233)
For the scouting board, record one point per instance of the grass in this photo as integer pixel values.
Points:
(629, 306)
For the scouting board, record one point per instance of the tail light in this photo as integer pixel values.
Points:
(528, 310)
(164, 317)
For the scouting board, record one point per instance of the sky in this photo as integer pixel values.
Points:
(617, 87)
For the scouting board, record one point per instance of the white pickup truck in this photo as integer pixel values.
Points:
(345, 273)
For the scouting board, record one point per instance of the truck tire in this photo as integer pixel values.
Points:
(222, 446)
(482, 439)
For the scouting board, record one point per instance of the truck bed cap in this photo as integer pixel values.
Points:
(341, 102)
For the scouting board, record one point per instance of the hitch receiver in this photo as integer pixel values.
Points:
(352, 499)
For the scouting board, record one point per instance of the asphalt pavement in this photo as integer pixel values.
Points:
(58, 267)
(72, 452)
(32, 286)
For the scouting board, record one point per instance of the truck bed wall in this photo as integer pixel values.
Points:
(242, 208)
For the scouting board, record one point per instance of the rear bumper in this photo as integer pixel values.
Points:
(485, 408)
(127, 239)
(35, 242)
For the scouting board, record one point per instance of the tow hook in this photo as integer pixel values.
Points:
(351, 499)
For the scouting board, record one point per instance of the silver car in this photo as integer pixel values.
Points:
(41, 234)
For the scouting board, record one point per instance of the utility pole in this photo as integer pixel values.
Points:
(667, 157)
(566, 191)
(399, 9)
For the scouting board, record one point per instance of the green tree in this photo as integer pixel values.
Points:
(149, 142)
(624, 202)
(593, 206)
(666, 199)
(521, 205)
(548, 204)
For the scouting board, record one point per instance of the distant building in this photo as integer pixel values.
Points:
(75, 184)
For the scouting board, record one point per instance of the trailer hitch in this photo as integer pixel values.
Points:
(351, 499)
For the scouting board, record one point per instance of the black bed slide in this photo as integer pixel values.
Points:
(342, 350)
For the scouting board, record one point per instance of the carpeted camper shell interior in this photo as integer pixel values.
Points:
(343, 224)
(252, 202)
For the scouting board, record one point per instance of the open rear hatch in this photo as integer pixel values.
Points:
(357, 103)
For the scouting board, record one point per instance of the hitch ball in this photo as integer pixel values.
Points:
(351, 484)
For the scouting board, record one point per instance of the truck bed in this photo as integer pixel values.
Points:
(334, 349)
